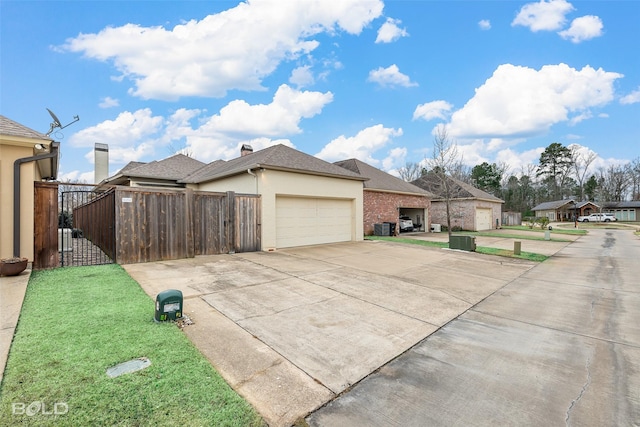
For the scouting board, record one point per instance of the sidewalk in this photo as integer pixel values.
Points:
(12, 290)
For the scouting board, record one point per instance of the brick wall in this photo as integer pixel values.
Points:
(463, 213)
(383, 207)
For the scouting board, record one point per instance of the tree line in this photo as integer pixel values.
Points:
(563, 172)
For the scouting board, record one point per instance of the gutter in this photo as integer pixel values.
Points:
(16, 191)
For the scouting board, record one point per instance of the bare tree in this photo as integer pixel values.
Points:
(614, 183)
(410, 171)
(634, 169)
(445, 161)
(582, 159)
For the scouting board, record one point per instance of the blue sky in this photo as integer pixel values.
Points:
(365, 79)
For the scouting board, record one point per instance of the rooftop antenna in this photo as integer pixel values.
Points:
(56, 122)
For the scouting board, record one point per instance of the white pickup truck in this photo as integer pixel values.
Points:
(598, 217)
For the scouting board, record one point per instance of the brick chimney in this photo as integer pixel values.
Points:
(246, 149)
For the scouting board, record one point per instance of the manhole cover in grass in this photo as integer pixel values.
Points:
(128, 367)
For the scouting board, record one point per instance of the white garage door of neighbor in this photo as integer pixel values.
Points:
(309, 221)
(483, 219)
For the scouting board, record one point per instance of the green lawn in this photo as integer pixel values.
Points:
(77, 322)
(480, 249)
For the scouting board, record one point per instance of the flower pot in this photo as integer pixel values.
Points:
(12, 266)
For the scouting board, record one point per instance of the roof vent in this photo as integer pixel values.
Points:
(246, 149)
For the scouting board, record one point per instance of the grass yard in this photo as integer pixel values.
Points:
(530, 256)
(77, 322)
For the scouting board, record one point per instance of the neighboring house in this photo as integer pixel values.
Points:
(471, 208)
(36, 157)
(387, 198)
(624, 211)
(305, 200)
(163, 173)
(564, 210)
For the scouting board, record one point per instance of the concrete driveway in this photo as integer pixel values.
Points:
(292, 329)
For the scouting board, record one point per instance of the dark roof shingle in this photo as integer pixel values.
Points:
(460, 190)
(9, 127)
(380, 180)
(278, 157)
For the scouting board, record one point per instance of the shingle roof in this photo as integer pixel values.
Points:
(380, 180)
(205, 171)
(557, 204)
(461, 190)
(9, 127)
(622, 205)
(130, 166)
(278, 157)
(175, 167)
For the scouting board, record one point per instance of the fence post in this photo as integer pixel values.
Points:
(188, 220)
(230, 221)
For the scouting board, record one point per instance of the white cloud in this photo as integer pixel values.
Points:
(583, 28)
(234, 49)
(280, 117)
(432, 110)
(108, 102)
(517, 161)
(390, 31)
(520, 101)
(580, 117)
(362, 146)
(631, 98)
(545, 15)
(484, 24)
(126, 130)
(302, 76)
(262, 125)
(396, 158)
(134, 136)
(390, 77)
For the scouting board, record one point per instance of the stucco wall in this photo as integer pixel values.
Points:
(463, 213)
(11, 150)
(271, 183)
(383, 207)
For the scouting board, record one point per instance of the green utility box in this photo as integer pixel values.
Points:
(168, 305)
(465, 243)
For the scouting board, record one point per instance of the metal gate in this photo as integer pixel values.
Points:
(85, 236)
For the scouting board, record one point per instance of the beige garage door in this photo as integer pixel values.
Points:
(483, 219)
(310, 221)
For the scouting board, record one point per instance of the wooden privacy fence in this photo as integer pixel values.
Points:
(45, 225)
(158, 224)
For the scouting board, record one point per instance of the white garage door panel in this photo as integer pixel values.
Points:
(308, 221)
(483, 219)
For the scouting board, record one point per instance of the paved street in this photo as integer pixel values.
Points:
(559, 345)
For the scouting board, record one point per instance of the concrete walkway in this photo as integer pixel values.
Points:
(12, 290)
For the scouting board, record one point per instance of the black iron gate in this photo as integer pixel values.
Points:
(78, 228)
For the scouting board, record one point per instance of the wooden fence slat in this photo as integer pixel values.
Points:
(153, 225)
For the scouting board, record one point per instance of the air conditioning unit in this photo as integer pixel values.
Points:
(436, 228)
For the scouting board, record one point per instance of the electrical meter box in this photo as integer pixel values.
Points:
(168, 305)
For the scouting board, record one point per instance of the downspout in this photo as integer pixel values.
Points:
(16, 192)
(256, 178)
